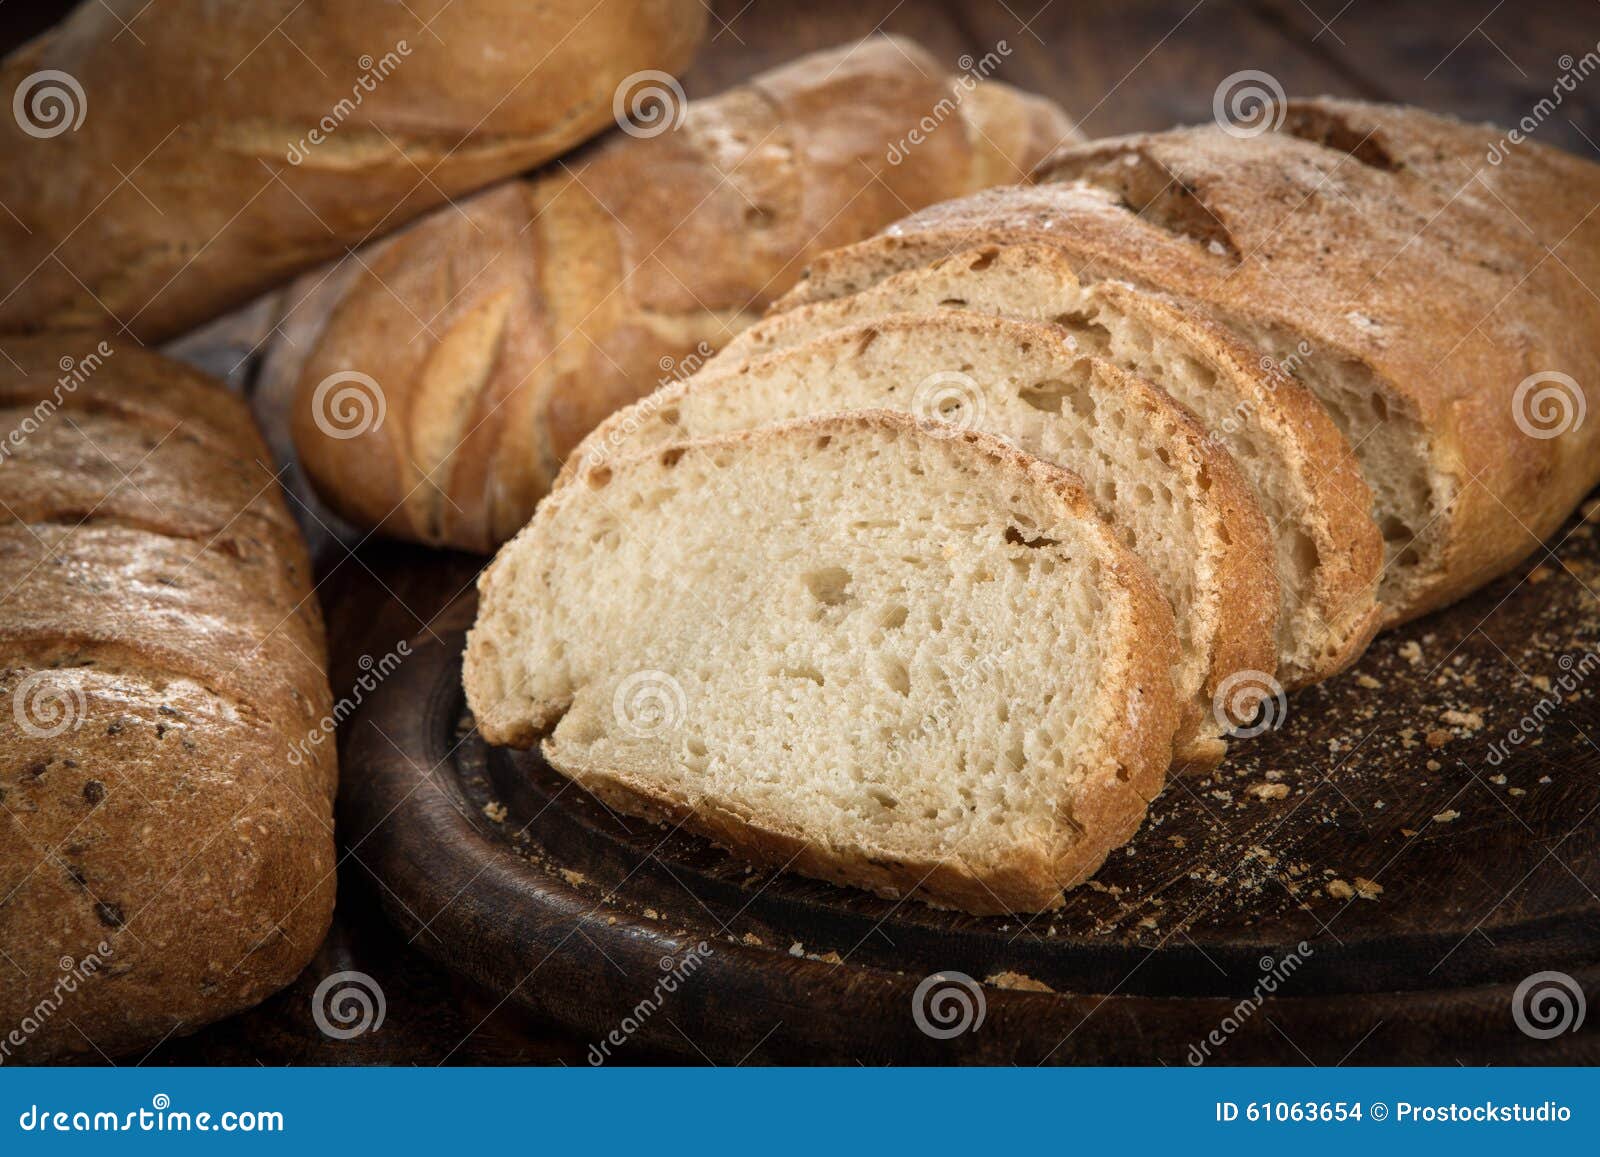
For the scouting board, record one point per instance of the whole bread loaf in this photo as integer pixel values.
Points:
(174, 157)
(493, 335)
(1432, 300)
(166, 839)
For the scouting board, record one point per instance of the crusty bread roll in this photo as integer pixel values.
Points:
(889, 654)
(1371, 253)
(166, 838)
(494, 334)
(224, 147)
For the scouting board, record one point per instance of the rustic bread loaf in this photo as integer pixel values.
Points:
(1430, 330)
(166, 840)
(499, 331)
(911, 661)
(198, 153)
(1175, 498)
(1300, 468)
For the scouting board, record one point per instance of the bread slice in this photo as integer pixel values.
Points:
(1175, 497)
(1299, 467)
(904, 660)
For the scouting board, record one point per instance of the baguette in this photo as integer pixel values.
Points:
(918, 664)
(1424, 323)
(1301, 470)
(199, 153)
(166, 839)
(498, 332)
(1175, 498)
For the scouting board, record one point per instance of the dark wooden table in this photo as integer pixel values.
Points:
(1116, 67)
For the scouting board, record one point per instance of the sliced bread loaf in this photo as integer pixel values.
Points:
(913, 662)
(1300, 468)
(1176, 498)
(1455, 356)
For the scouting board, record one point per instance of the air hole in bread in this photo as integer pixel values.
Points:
(599, 477)
(983, 260)
(1017, 538)
(893, 618)
(896, 675)
(672, 456)
(829, 586)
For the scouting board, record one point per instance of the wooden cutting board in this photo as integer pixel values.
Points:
(1373, 879)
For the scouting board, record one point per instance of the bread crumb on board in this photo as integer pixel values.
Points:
(1449, 815)
(1017, 982)
(1269, 790)
(495, 810)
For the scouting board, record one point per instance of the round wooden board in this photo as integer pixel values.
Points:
(1360, 885)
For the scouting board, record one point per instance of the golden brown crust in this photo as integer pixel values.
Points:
(523, 317)
(162, 812)
(214, 120)
(1138, 719)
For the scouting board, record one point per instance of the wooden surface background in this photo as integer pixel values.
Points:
(1116, 67)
